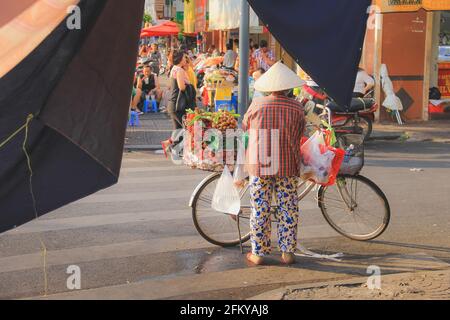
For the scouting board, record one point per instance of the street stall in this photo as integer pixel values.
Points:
(218, 85)
(210, 139)
(220, 89)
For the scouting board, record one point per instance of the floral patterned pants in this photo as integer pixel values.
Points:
(262, 192)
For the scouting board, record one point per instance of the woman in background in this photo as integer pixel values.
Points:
(178, 85)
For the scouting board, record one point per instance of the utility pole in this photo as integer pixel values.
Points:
(244, 52)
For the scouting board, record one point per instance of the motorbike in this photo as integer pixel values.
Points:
(358, 118)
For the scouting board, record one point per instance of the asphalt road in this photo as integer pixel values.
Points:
(137, 239)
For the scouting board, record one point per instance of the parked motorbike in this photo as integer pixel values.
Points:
(358, 118)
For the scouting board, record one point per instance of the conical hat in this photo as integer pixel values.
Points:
(278, 78)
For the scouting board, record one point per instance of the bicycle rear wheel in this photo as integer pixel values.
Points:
(355, 207)
(216, 227)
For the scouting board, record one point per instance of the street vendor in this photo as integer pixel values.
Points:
(275, 124)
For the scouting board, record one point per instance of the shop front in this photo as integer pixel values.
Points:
(412, 38)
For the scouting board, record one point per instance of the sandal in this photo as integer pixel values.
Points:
(287, 258)
(254, 259)
(166, 147)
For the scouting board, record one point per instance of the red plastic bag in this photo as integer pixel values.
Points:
(335, 165)
(320, 161)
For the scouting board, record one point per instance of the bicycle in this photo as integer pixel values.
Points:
(342, 201)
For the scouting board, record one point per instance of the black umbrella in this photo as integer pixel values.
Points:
(65, 105)
(324, 36)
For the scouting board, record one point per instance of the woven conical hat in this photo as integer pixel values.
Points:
(278, 78)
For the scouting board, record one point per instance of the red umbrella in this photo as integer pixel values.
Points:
(164, 28)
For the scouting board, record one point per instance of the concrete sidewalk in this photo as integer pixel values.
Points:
(433, 131)
(428, 285)
(156, 127)
(153, 128)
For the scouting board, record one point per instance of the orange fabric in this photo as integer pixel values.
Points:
(25, 24)
(213, 61)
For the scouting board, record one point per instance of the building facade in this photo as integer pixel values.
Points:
(408, 39)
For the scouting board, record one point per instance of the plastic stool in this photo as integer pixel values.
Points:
(155, 106)
(146, 106)
(134, 119)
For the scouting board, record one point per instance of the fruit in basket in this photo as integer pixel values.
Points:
(224, 120)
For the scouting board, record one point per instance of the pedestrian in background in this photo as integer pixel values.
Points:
(264, 56)
(181, 97)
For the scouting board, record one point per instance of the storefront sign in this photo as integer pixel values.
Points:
(257, 30)
(412, 5)
(200, 15)
(444, 80)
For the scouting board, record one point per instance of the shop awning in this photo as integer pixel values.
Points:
(162, 29)
(225, 15)
(325, 38)
(387, 6)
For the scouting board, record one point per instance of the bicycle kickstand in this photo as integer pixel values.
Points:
(239, 231)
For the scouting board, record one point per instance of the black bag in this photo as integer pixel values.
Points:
(180, 101)
(435, 94)
(186, 99)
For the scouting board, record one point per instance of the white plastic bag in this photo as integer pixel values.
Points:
(316, 165)
(240, 170)
(226, 198)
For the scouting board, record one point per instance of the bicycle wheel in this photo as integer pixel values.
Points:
(215, 227)
(355, 207)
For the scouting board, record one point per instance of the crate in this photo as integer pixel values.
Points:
(224, 105)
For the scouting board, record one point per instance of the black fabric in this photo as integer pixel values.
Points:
(358, 95)
(77, 84)
(357, 104)
(324, 36)
(435, 94)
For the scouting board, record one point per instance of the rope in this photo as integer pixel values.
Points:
(25, 127)
(15, 133)
(304, 252)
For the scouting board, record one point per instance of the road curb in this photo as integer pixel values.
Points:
(279, 294)
(386, 136)
(132, 148)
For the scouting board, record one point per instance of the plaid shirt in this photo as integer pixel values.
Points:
(276, 125)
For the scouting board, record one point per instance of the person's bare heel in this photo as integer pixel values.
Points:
(287, 258)
(254, 259)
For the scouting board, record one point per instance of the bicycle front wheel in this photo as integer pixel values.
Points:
(218, 228)
(355, 207)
